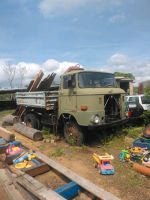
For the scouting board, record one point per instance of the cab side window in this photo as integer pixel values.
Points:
(69, 81)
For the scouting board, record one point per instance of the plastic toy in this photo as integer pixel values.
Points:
(137, 153)
(137, 150)
(2, 141)
(142, 142)
(26, 156)
(103, 163)
(124, 155)
(13, 150)
(146, 160)
(22, 165)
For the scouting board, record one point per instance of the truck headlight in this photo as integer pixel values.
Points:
(95, 119)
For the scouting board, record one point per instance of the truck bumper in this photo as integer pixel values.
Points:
(109, 125)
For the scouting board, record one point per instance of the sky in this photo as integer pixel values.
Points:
(106, 35)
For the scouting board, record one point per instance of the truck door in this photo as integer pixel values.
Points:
(68, 95)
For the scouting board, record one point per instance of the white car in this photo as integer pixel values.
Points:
(133, 100)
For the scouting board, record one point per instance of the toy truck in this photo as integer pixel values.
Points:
(103, 163)
(84, 100)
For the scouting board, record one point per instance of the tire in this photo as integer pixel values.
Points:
(73, 133)
(32, 121)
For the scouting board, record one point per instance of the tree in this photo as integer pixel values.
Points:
(10, 71)
(22, 71)
(126, 75)
(147, 90)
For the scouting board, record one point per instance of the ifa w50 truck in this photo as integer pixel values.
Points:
(84, 100)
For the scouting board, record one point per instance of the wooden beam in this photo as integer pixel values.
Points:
(37, 188)
(7, 135)
(6, 184)
(31, 133)
(84, 183)
(37, 170)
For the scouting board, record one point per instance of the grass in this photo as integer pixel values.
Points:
(133, 132)
(47, 135)
(42, 147)
(57, 152)
(4, 113)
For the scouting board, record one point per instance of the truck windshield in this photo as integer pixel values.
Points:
(96, 80)
(145, 99)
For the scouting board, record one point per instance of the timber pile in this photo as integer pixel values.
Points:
(46, 83)
(31, 133)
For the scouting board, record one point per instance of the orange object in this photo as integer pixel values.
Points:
(141, 169)
(129, 114)
(84, 108)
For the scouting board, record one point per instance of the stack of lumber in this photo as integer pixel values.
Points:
(46, 83)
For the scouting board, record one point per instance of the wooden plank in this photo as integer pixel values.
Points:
(37, 80)
(37, 170)
(7, 135)
(27, 195)
(84, 183)
(37, 188)
(9, 188)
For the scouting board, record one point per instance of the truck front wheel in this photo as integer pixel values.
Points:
(32, 121)
(73, 133)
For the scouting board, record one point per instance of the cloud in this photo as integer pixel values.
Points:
(59, 6)
(47, 67)
(123, 63)
(117, 62)
(119, 59)
(119, 18)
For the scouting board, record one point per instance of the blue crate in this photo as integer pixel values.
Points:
(69, 190)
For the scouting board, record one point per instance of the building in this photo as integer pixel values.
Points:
(126, 84)
(142, 86)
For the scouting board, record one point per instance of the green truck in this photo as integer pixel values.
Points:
(84, 100)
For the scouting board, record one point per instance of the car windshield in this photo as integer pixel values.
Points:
(133, 99)
(96, 80)
(145, 99)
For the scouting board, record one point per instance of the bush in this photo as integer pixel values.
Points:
(146, 117)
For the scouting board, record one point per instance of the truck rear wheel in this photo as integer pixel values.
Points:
(73, 133)
(32, 121)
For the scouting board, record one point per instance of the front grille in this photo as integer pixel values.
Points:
(112, 108)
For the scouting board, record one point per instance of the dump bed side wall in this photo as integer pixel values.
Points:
(47, 100)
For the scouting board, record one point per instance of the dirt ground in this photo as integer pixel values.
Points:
(3, 194)
(125, 184)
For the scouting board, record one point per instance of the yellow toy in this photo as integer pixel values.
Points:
(103, 163)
